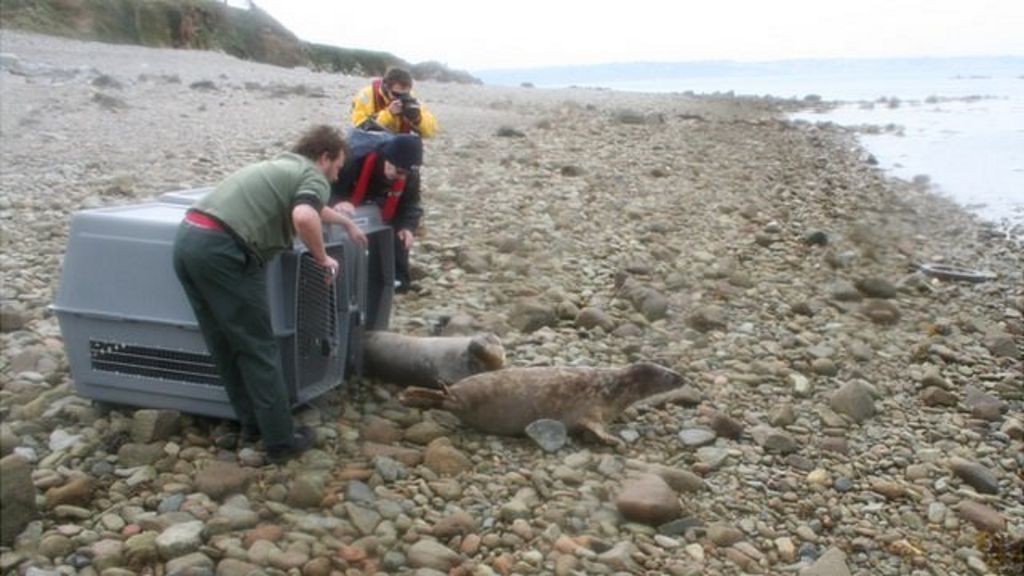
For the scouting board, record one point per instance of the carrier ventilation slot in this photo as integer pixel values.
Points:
(316, 326)
(150, 362)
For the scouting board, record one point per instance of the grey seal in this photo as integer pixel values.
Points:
(505, 402)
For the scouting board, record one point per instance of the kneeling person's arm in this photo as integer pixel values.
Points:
(334, 216)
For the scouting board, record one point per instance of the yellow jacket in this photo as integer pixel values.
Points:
(370, 103)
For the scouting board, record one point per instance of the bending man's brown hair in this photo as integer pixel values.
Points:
(320, 140)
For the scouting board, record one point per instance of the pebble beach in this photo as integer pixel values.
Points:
(844, 412)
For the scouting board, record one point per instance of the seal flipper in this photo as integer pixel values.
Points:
(596, 427)
(487, 351)
(416, 397)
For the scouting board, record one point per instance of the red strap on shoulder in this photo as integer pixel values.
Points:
(365, 173)
(394, 195)
(378, 97)
(363, 184)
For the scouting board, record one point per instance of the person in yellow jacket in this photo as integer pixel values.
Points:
(388, 104)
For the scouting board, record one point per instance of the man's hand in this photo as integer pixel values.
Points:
(395, 107)
(407, 238)
(331, 265)
(345, 208)
(356, 234)
(337, 215)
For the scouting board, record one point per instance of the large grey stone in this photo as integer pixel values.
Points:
(774, 440)
(424, 432)
(307, 490)
(77, 491)
(134, 455)
(8, 440)
(648, 499)
(696, 437)
(194, 563)
(678, 479)
(471, 260)
(356, 491)
(13, 316)
(654, 305)
(234, 567)
(1002, 345)
(154, 425)
(876, 287)
(726, 426)
(459, 522)
(238, 517)
(432, 554)
(528, 316)
(56, 546)
(706, 318)
(17, 497)
(620, 558)
(593, 317)
(364, 519)
(220, 479)
(983, 405)
(108, 553)
(854, 400)
(549, 434)
(881, 311)
(845, 291)
(180, 540)
(445, 459)
(831, 563)
(977, 476)
(723, 534)
(140, 549)
(983, 517)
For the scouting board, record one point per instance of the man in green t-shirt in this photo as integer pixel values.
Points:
(219, 254)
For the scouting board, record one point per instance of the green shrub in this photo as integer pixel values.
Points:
(202, 24)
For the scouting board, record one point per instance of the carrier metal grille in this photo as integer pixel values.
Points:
(152, 362)
(316, 323)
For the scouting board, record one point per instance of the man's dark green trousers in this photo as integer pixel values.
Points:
(227, 289)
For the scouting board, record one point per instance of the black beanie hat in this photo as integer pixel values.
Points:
(404, 151)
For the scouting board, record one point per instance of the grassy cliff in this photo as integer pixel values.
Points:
(201, 25)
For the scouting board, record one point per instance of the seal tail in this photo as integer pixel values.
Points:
(416, 397)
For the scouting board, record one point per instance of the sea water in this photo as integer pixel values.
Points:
(966, 133)
(959, 122)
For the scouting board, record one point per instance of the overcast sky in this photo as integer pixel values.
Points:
(480, 34)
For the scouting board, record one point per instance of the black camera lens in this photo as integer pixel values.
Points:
(411, 109)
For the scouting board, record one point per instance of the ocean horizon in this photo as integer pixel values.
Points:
(957, 121)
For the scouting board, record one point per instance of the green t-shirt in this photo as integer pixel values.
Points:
(256, 202)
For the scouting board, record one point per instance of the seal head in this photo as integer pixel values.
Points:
(641, 380)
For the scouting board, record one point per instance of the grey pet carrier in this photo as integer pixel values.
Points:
(131, 336)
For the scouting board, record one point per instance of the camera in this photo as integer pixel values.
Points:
(410, 106)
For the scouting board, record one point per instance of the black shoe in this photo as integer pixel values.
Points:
(302, 439)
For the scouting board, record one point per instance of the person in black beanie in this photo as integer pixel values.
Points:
(384, 170)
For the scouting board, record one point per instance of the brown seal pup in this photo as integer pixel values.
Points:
(433, 361)
(505, 402)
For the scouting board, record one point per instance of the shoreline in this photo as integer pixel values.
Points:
(776, 263)
(960, 153)
(912, 137)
